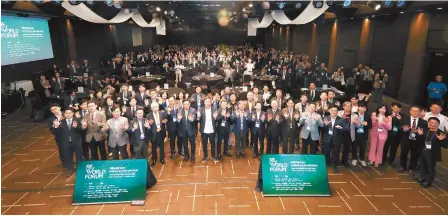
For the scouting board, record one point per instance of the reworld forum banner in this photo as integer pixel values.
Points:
(25, 39)
(294, 175)
(110, 181)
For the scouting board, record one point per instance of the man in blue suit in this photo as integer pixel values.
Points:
(187, 129)
(331, 136)
(241, 120)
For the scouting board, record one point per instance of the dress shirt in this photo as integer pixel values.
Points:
(443, 120)
(142, 133)
(157, 120)
(208, 128)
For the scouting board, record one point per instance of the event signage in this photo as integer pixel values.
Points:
(110, 181)
(294, 175)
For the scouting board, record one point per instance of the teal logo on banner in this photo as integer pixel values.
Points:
(294, 175)
(110, 181)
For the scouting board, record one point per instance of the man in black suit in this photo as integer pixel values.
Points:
(124, 96)
(241, 120)
(331, 100)
(158, 132)
(69, 134)
(197, 99)
(332, 135)
(129, 111)
(394, 136)
(140, 135)
(273, 128)
(91, 83)
(285, 79)
(71, 100)
(410, 140)
(57, 115)
(172, 127)
(313, 93)
(81, 114)
(141, 96)
(258, 131)
(86, 68)
(207, 118)
(187, 129)
(289, 127)
(73, 69)
(361, 135)
(223, 129)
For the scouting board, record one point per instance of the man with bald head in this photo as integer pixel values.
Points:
(157, 131)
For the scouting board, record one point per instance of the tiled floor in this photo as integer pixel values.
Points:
(32, 183)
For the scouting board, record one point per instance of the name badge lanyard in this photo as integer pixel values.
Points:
(428, 143)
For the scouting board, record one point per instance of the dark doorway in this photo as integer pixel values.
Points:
(438, 65)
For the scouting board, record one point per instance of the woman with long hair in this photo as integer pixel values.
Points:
(381, 124)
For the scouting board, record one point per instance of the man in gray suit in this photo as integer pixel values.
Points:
(187, 129)
(310, 121)
(117, 127)
(350, 121)
(158, 132)
(95, 137)
(140, 134)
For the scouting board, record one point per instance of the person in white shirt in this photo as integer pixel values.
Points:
(436, 108)
(207, 118)
(249, 68)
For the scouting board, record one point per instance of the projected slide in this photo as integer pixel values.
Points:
(25, 39)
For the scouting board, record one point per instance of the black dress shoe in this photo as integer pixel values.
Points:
(243, 155)
(162, 161)
(186, 159)
(255, 155)
(402, 169)
(426, 185)
(335, 169)
(172, 156)
(346, 165)
(204, 159)
(421, 181)
(153, 163)
(411, 173)
(227, 154)
(219, 157)
(237, 156)
(193, 159)
(181, 154)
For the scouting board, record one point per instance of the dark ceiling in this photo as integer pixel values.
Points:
(197, 14)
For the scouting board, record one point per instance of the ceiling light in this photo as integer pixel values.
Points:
(347, 4)
(176, 17)
(281, 5)
(402, 12)
(388, 4)
(330, 2)
(439, 8)
(299, 5)
(351, 18)
(251, 5)
(166, 12)
(377, 7)
(401, 4)
(244, 9)
(158, 9)
(109, 3)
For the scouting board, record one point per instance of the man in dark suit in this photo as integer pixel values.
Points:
(57, 115)
(71, 100)
(141, 96)
(241, 120)
(394, 136)
(258, 131)
(69, 134)
(158, 132)
(410, 140)
(124, 96)
(172, 127)
(279, 98)
(331, 100)
(285, 79)
(273, 128)
(197, 99)
(129, 111)
(331, 138)
(223, 129)
(73, 69)
(289, 119)
(431, 146)
(81, 114)
(58, 84)
(91, 83)
(361, 135)
(140, 135)
(313, 93)
(86, 68)
(207, 118)
(187, 129)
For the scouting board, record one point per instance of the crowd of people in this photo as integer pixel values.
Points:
(115, 118)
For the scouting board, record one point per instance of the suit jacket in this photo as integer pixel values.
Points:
(153, 128)
(73, 70)
(57, 88)
(282, 103)
(303, 108)
(436, 145)
(108, 112)
(194, 102)
(117, 136)
(406, 120)
(223, 123)
(288, 125)
(385, 128)
(366, 129)
(261, 129)
(171, 125)
(140, 99)
(239, 123)
(135, 136)
(337, 133)
(273, 126)
(349, 126)
(310, 126)
(93, 129)
(127, 96)
(203, 118)
(63, 133)
(128, 114)
(316, 95)
(92, 84)
(86, 68)
(186, 127)
(69, 101)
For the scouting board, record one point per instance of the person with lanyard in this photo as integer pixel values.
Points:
(394, 136)
(350, 120)
(241, 121)
(361, 135)
(258, 131)
(207, 118)
(273, 128)
(57, 115)
(172, 128)
(158, 132)
(140, 134)
(312, 92)
(96, 137)
(289, 127)
(82, 114)
(410, 140)
(310, 121)
(118, 138)
(381, 124)
(331, 136)
(187, 119)
(223, 129)
(434, 140)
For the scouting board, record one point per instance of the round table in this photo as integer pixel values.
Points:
(208, 77)
(26, 85)
(172, 91)
(148, 78)
(266, 78)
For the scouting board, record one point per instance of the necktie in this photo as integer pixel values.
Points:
(92, 117)
(414, 124)
(133, 111)
(290, 114)
(69, 123)
(83, 113)
(312, 94)
(242, 121)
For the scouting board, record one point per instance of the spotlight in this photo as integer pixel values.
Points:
(73, 2)
(401, 4)
(299, 5)
(439, 8)
(158, 9)
(109, 3)
(90, 2)
(347, 4)
(330, 2)
(38, 1)
(281, 5)
(388, 4)
(251, 5)
(318, 4)
(377, 7)
(402, 12)
(244, 9)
